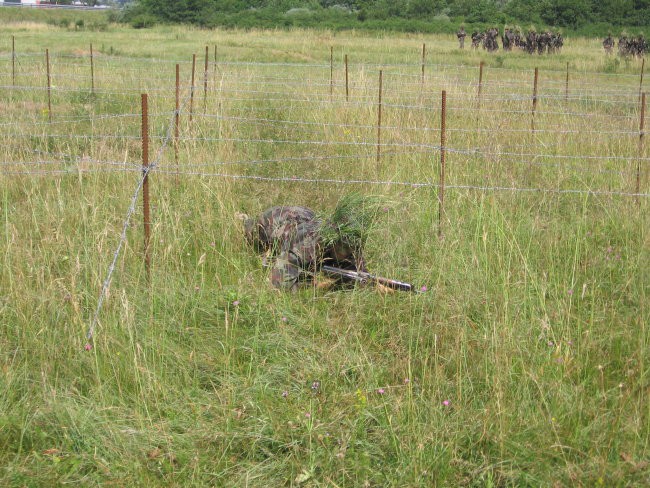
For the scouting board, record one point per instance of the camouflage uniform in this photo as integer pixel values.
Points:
(608, 44)
(461, 34)
(292, 235)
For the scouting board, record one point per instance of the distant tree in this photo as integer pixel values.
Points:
(483, 11)
(525, 11)
(565, 13)
(421, 8)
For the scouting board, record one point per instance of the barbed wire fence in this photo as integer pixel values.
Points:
(315, 92)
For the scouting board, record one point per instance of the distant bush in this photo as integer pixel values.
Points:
(143, 21)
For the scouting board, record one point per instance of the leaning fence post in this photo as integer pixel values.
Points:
(177, 119)
(49, 85)
(347, 86)
(641, 134)
(205, 82)
(145, 184)
(532, 119)
(379, 122)
(443, 141)
(192, 87)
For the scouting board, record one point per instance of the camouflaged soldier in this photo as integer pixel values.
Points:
(461, 34)
(295, 245)
(608, 44)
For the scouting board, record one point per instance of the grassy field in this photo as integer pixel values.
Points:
(524, 363)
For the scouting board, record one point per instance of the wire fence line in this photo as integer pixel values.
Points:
(369, 102)
(415, 65)
(111, 269)
(412, 184)
(630, 92)
(7, 167)
(187, 171)
(577, 81)
(312, 91)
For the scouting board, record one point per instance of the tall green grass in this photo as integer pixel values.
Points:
(525, 362)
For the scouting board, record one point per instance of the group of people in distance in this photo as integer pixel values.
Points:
(627, 46)
(533, 42)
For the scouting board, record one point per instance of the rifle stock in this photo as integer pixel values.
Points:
(363, 277)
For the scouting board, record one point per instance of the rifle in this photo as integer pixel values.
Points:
(363, 277)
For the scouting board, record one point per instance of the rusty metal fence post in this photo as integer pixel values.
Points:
(347, 86)
(177, 119)
(331, 71)
(49, 85)
(379, 123)
(13, 60)
(443, 142)
(215, 62)
(145, 184)
(480, 83)
(192, 88)
(205, 82)
(566, 85)
(641, 77)
(532, 118)
(641, 138)
(424, 54)
(92, 70)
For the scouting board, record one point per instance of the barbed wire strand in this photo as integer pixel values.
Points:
(107, 281)
(295, 179)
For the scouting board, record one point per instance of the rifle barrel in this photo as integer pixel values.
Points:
(364, 277)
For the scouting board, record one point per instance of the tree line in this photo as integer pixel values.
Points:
(599, 16)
